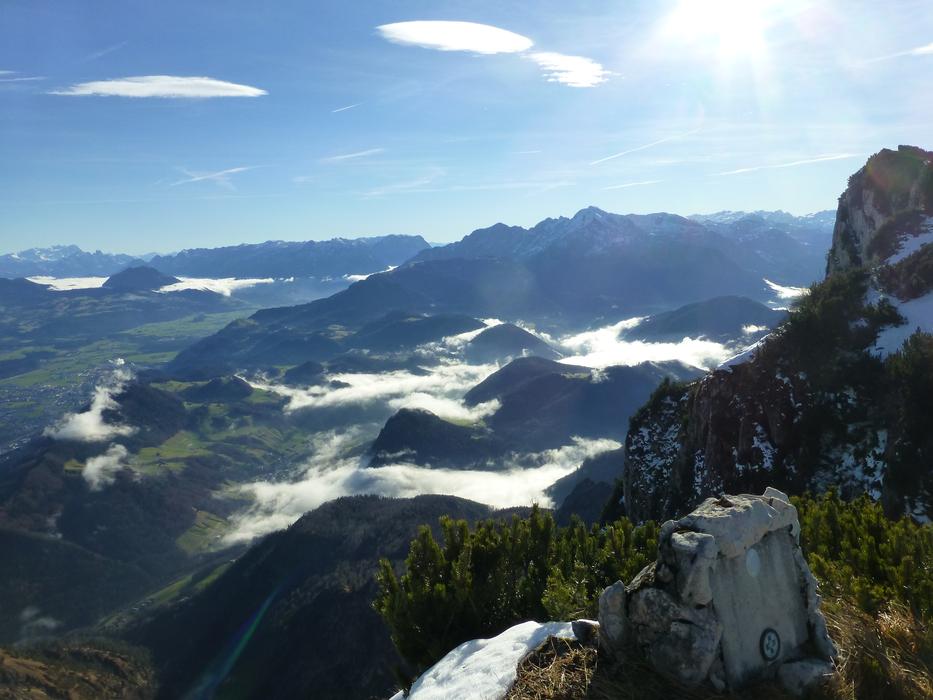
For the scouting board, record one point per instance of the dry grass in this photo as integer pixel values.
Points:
(560, 669)
(885, 657)
(888, 657)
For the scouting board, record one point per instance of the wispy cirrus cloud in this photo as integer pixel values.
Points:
(925, 50)
(486, 39)
(455, 36)
(626, 185)
(644, 147)
(574, 71)
(791, 164)
(221, 177)
(103, 52)
(161, 86)
(353, 156)
(12, 76)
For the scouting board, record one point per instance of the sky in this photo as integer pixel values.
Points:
(133, 126)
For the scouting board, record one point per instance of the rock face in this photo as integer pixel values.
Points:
(892, 184)
(805, 410)
(729, 600)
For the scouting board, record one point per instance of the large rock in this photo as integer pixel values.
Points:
(729, 600)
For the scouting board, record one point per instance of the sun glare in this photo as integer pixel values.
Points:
(733, 28)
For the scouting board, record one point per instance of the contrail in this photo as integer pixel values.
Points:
(642, 148)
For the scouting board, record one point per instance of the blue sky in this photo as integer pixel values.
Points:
(316, 119)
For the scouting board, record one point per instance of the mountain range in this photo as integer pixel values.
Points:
(280, 259)
(591, 269)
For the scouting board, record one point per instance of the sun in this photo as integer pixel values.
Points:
(734, 29)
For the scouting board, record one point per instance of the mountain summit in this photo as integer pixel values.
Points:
(838, 395)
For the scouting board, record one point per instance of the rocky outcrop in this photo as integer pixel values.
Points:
(892, 184)
(729, 600)
(810, 406)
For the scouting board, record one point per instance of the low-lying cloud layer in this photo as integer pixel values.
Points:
(225, 285)
(100, 471)
(89, 425)
(331, 474)
(783, 292)
(605, 347)
(63, 284)
(440, 386)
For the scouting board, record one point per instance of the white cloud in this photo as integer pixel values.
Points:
(786, 292)
(575, 71)
(448, 380)
(353, 156)
(455, 36)
(448, 409)
(792, 164)
(331, 474)
(163, 86)
(101, 470)
(61, 284)
(626, 185)
(89, 425)
(751, 329)
(603, 347)
(224, 285)
(34, 624)
(22, 79)
(360, 278)
(221, 177)
(644, 147)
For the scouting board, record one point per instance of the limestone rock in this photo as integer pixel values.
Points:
(680, 641)
(797, 676)
(730, 598)
(586, 631)
(613, 622)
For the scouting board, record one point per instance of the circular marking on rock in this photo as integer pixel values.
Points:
(752, 563)
(770, 644)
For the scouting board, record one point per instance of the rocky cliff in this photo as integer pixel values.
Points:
(892, 185)
(837, 395)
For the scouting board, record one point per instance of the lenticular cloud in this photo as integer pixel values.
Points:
(574, 71)
(455, 36)
(165, 86)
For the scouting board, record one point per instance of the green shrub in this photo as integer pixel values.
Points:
(484, 580)
(858, 553)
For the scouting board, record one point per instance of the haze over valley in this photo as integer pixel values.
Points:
(344, 348)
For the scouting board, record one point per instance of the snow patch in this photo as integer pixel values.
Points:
(484, 669)
(911, 244)
(918, 313)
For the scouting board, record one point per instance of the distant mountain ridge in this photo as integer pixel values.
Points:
(335, 257)
(64, 261)
(775, 243)
(593, 268)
